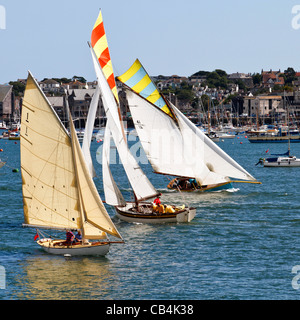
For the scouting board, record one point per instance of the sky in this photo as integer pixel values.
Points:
(169, 37)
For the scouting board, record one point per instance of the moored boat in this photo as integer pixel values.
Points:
(282, 161)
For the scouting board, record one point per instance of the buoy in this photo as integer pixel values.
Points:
(15, 170)
(241, 142)
(1, 150)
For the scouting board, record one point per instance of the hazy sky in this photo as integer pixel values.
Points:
(49, 38)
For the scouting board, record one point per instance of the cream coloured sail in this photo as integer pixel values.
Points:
(142, 187)
(58, 191)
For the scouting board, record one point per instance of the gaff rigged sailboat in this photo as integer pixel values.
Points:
(173, 144)
(58, 192)
(139, 210)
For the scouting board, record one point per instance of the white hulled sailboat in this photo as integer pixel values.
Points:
(285, 159)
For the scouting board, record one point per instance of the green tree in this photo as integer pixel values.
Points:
(18, 87)
(257, 79)
(289, 76)
(80, 79)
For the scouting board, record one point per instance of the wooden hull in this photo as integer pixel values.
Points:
(56, 247)
(128, 214)
(213, 187)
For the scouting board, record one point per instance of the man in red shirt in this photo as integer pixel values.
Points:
(157, 200)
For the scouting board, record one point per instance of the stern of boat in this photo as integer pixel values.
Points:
(187, 215)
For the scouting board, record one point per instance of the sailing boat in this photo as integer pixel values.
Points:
(211, 134)
(58, 192)
(173, 144)
(138, 210)
(285, 159)
(2, 163)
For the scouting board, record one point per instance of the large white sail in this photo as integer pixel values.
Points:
(141, 186)
(159, 136)
(58, 191)
(215, 159)
(178, 147)
(113, 196)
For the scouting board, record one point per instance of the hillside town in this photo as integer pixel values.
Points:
(238, 98)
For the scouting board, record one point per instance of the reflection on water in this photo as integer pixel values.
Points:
(54, 277)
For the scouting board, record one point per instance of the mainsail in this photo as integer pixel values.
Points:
(58, 191)
(178, 147)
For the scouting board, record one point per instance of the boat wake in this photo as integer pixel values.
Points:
(231, 190)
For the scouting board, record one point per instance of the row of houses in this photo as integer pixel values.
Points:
(79, 96)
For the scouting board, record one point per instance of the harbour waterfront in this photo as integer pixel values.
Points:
(242, 244)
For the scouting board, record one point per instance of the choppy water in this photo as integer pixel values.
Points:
(242, 244)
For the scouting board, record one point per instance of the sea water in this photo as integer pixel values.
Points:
(243, 243)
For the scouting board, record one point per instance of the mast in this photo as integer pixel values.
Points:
(288, 124)
(208, 116)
